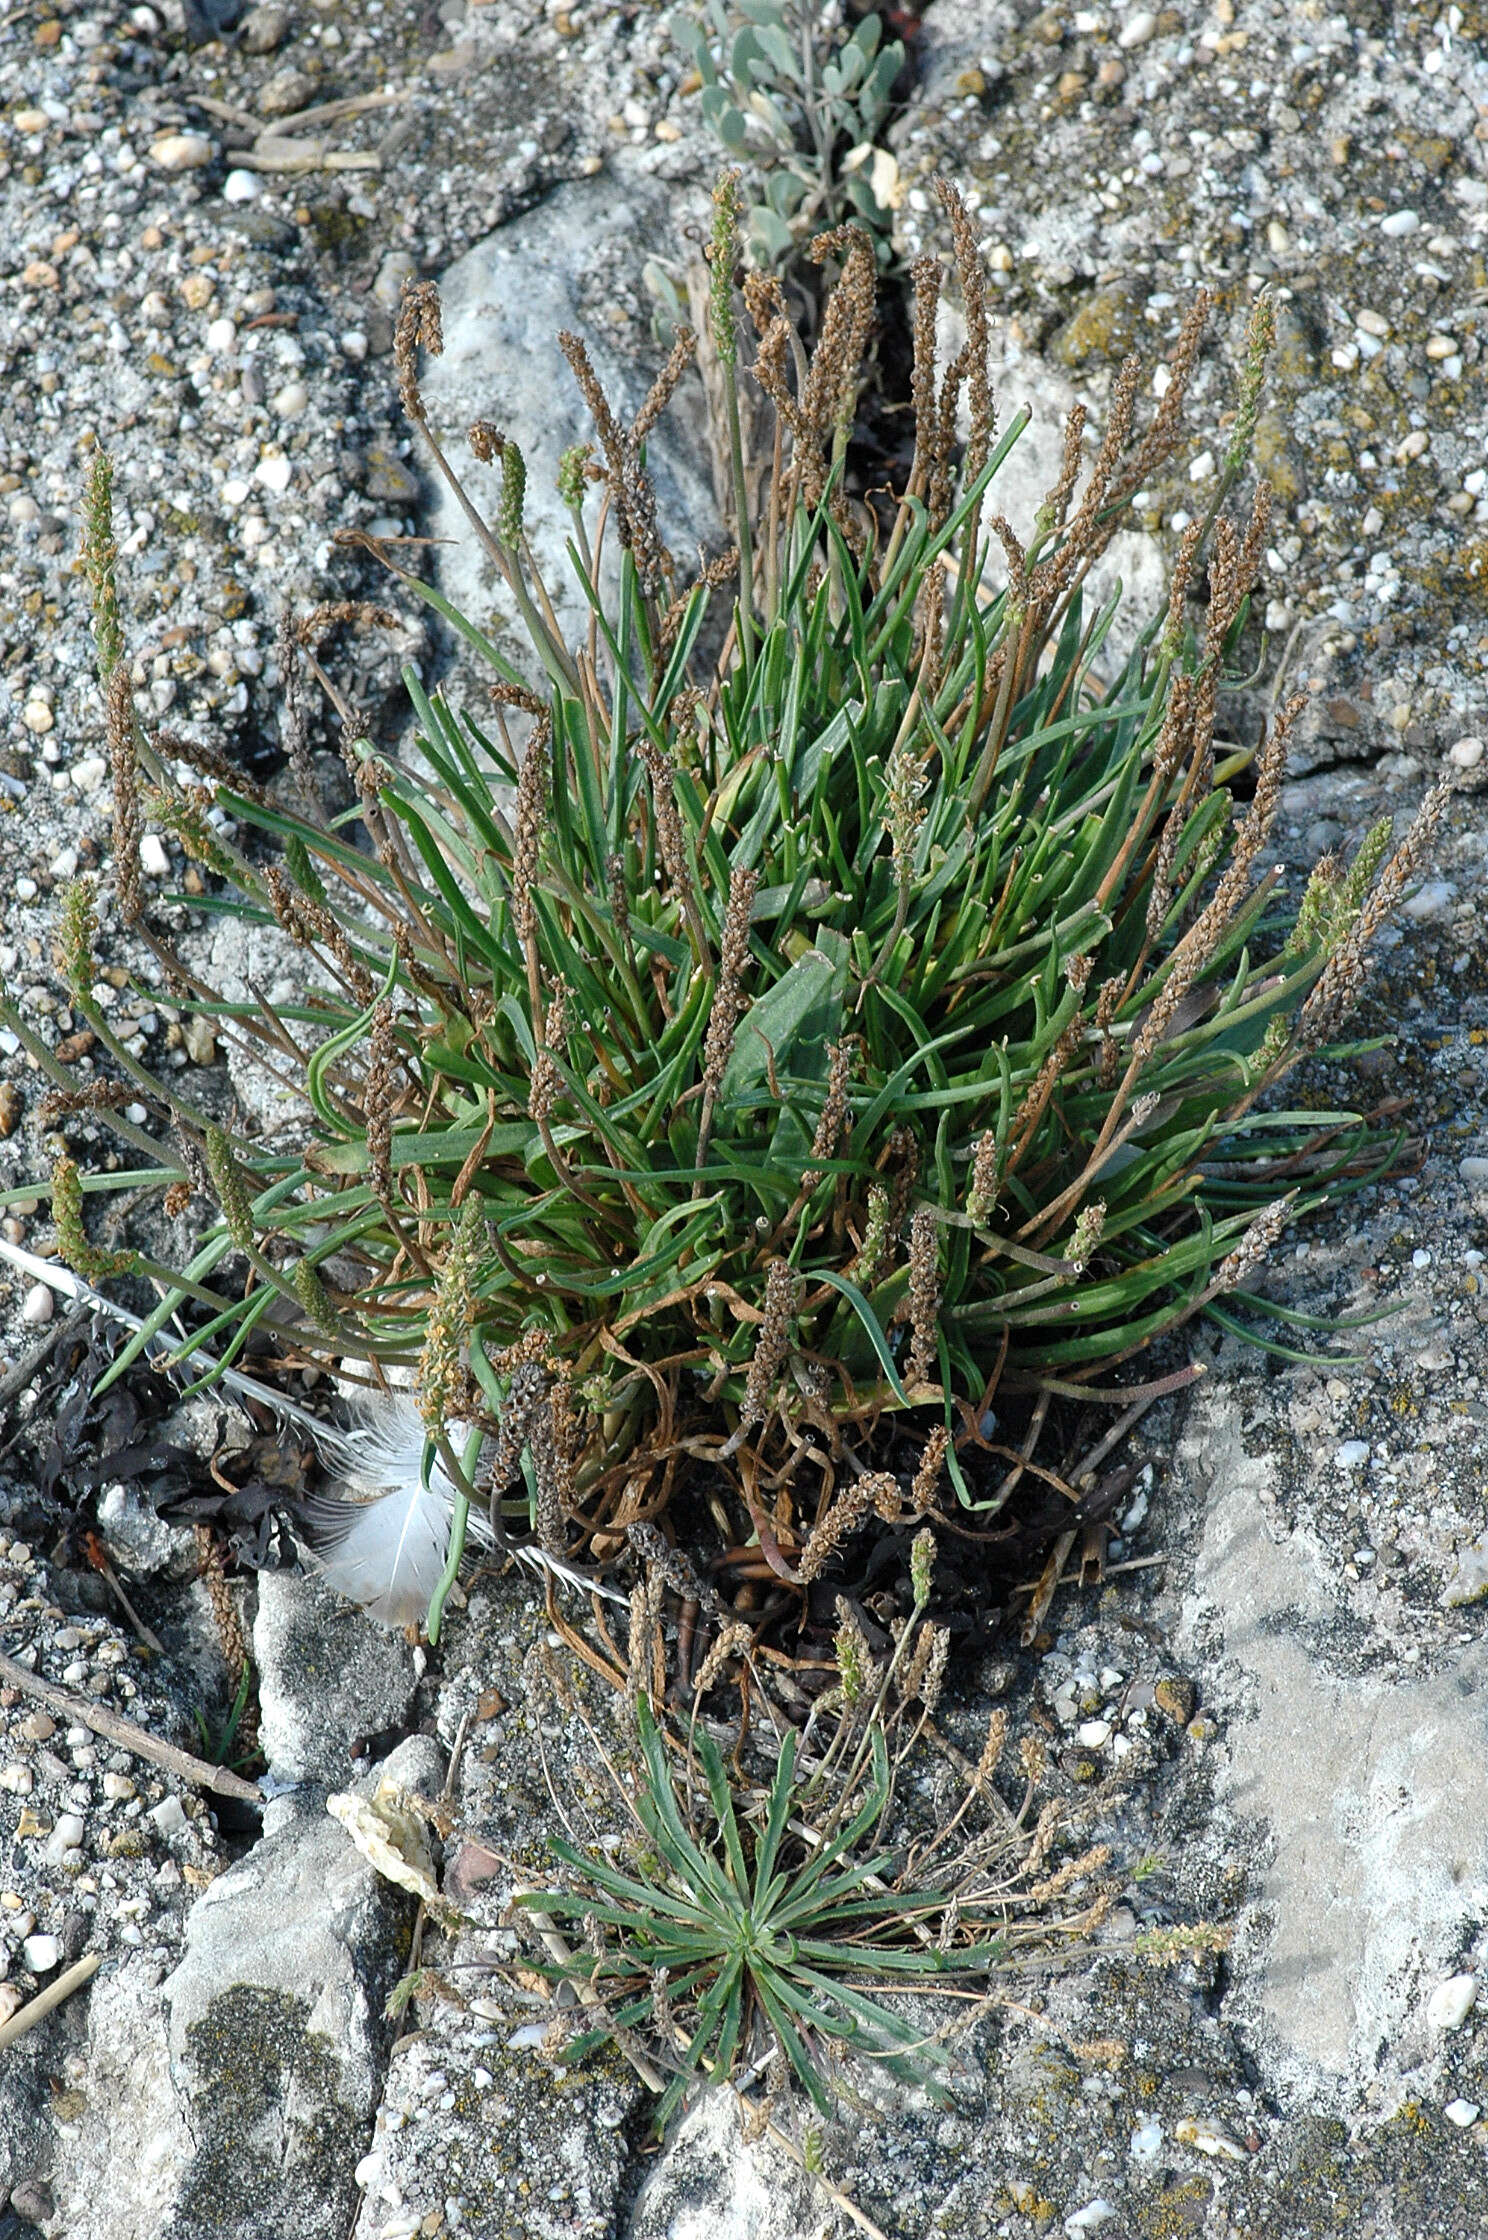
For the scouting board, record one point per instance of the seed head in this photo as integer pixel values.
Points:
(771, 1345)
(729, 1000)
(94, 1263)
(932, 1462)
(441, 1363)
(573, 473)
(129, 821)
(305, 1280)
(723, 255)
(853, 1654)
(377, 1100)
(1259, 343)
(231, 1185)
(904, 786)
(75, 936)
(875, 1492)
(1088, 1232)
(922, 1566)
(100, 560)
(877, 1236)
(513, 495)
(419, 324)
(1255, 1246)
(923, 1296)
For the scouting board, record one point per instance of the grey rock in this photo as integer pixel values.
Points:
(242, 956)
(387, 288)
(121, 2175)
(276, 2034)
(235, 2097)
(327, 1676)
(32, 2198)
(136, 1539)
(504, 305)
(1021, 377)
(261, 227)
(286, 92)
(263, 29)
(709, 2185)
(388, 478)
(1375, 1860)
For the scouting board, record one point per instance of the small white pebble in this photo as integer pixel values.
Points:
(354, 345)
(1094, 1734)
(64, 864)
(1461, 2112)
(1137, 29)
(1352, 1455)
(1399, 223)
(117, 1787)
(18, 1779)
(1465, 754)
(181, 151)
(274, 472)
(1451, 2002)
(1089, 2219)
(1146, 2144)
(368, 2170)
(168, 1816)
(41, 1955)
(291, 400)
(154, 859)
(67, 1834)
(221, 335)
(1200, 469)
(38, 1306)
(242, 186)
(37, 717)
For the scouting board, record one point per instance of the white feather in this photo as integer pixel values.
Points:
(384, 1543)
(385, 1547)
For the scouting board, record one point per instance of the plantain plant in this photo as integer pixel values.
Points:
(829, 998)
(799, 98)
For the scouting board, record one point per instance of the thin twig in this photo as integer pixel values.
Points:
(562, 1951)
(834, 2194)
(21, 1378)
(129, 1736)
(150, 1639)
(37, 2009)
